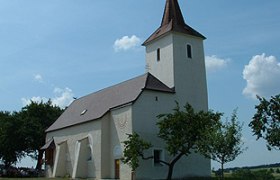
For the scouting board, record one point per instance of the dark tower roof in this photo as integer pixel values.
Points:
(173, 20)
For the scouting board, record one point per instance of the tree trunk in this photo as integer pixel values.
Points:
(39, 160)
(170, 172)
(171, 166)
(222, 173)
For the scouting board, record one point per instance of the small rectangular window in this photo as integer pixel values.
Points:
(158, 156)
(189, 51)
(158, 54)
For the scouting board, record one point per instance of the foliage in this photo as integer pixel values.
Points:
(183, 131)
(247, 174)
(37, 117)
(266, 121)
(224, 142)
(134, 147)
(11, 141)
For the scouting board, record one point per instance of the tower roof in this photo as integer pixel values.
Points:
(173, 20)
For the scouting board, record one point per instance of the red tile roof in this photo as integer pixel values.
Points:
(173, 20)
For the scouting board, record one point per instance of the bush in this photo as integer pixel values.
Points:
(243, 174)
(264, 174)
(246, 174)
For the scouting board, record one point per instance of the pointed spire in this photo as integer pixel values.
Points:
(173, 20)
(172, 12)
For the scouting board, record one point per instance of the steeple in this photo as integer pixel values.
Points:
(173, 20)
(172, 12)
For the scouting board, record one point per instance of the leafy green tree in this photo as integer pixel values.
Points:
(224, 143)
(11, 140)
(266, 121)
(37, 117)
(134, 147)
(182, 132)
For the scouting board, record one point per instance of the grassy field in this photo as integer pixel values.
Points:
(34, 178)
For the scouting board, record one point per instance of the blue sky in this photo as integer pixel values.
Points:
(69, 48)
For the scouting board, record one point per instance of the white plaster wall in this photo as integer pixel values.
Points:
(175, 69)
(162, 69)
(83, 159)
(60, 160)
(105, 137)
(76, 133)
(105, 148)
(121, 125)
(190, 74)
(145, 111)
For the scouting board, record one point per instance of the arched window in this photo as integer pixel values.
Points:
(189, 51)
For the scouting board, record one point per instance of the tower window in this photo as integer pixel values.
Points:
(158, 54)
(189, 51)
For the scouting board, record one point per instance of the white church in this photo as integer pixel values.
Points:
(86, 140)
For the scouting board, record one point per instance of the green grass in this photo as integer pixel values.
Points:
(34, 178)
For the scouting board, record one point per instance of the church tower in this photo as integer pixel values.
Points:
(175, 55)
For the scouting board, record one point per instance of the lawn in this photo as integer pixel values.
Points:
(33, 178)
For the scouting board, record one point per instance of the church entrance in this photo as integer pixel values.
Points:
(117, 169)
(49, 149)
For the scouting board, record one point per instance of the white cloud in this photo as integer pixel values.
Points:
(38, 78)
(62, 98)
(126, 43)
(26, 101)
(214, 63)
(262, 75)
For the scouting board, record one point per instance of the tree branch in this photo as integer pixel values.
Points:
(145, 158)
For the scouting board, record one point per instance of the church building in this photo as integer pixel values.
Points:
(86, 140)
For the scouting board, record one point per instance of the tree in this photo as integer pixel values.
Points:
(224, 142)
(182, 132)
(37, 117)
(134, 147)
(266, 121)
(11, 141)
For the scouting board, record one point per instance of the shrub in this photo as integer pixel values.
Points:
(246, 174)
(264, 174)
(243, 174)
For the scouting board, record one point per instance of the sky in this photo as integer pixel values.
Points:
(62, 49)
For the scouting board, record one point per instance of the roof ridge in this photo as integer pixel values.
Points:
(111, 86)
(97, 104)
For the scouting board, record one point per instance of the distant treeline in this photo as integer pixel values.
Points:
(276, 165)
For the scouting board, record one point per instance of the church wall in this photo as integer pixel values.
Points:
(121, 125)
(72, 136)
(145, 110)
(163, 68)
(190, 75)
